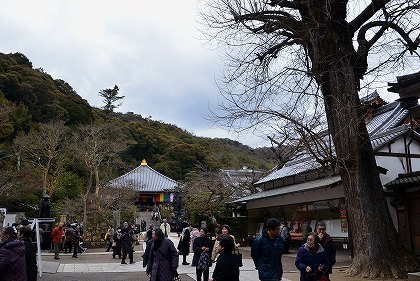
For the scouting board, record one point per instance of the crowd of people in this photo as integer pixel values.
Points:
(314, 258)
(67, 237)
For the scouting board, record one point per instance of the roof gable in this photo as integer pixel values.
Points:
(384, 126)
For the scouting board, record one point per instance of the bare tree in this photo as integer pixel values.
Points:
(43, 149)
(95, 144)
(206, 194)
(289, 59)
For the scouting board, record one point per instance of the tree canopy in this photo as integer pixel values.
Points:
(292, 64)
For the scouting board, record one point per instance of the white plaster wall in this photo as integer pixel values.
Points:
(398, 165)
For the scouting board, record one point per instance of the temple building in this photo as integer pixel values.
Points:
(305, 189)
(153, 188)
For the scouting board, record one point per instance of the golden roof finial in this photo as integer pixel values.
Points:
(143, 162)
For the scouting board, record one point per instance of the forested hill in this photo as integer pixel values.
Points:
(30, 97)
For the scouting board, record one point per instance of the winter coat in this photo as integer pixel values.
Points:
(12, 261)
(69, 234)
(166, 228)
(76, 237)
(266, 254)
(146, 253)
(57, 235)
(306, 228)
(329, 248)
(163, 261)
(200, 242)
(184, 242)
(110, 236)
(306, 258)
(227, 268)
(30, 259)
(193, 234)
(126, 240)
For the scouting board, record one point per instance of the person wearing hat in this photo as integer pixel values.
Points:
(12, 256)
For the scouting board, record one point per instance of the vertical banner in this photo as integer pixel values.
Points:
(343, 219)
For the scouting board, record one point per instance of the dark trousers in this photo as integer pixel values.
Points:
(68, 246)
(205, 274)
(75, 250)
(184, 258)
(109, 246)
(124, 255)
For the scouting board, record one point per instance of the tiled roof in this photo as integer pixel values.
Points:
(405, 180)
(381, 139)
(290, 169)
(381, 128)
(144, 179)
(315, 184)
(386, 117)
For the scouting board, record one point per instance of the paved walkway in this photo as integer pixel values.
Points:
(96, 264)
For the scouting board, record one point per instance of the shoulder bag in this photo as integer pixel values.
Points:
(238, 257)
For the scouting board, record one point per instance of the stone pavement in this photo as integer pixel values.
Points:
(96, 264)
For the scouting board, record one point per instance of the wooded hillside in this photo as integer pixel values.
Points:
(32, 103)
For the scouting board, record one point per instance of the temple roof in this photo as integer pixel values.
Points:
(385, 125)
(144, 179)
(404, 180)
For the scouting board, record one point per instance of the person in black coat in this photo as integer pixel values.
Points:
(116, 250)
(163, 258)
(12, 256)
(327, 243)
(127, 243)
(25, 234)
(184, 244)
(149, 232)
(227, 266)
(202, 244)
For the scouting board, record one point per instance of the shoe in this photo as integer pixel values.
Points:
(107, 251)
(186, 263)
(56, 258)
(74, 256)
(113, 256)
(123, 262)
(132, 262)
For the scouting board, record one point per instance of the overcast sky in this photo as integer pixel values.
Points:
(149, 49)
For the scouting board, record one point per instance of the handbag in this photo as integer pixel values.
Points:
(238, 256)
(203, 261)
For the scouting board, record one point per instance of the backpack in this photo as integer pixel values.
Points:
(203, 261)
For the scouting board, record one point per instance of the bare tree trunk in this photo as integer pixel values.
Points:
(98, 207)
(377, 248)
(85, 198)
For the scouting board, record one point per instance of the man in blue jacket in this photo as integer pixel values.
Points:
(266, 252)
